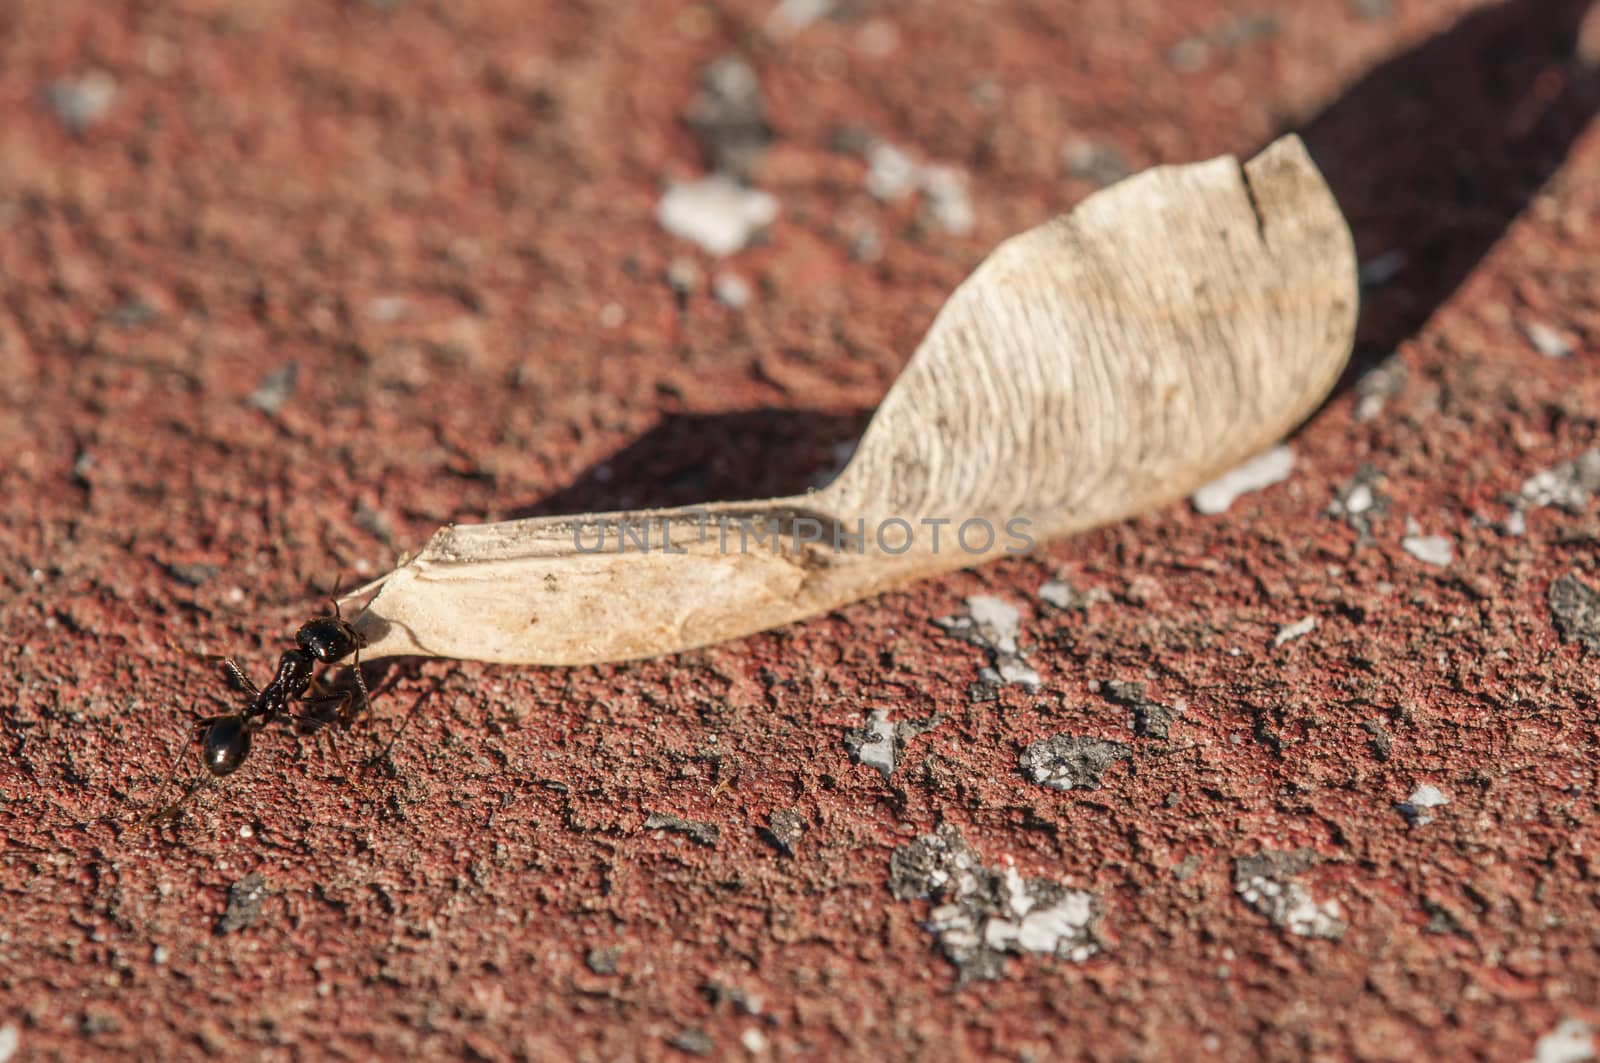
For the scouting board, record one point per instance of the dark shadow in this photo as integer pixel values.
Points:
(1433, 153)
(692, 458)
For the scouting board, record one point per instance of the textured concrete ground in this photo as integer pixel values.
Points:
(442, 216)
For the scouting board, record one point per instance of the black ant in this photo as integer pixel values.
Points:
(225, 739)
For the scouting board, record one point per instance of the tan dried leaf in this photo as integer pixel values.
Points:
(1104, 363)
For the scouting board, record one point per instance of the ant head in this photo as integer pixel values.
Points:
(329, 638)
(226, 744)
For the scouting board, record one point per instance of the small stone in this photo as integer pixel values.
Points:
(1099, 164)
(785, 828)
(1059, 593)
(1015, 670)
(1568, 486)
(1546, 340)
(132, 313)
(728, 116)
(716, 212)
(754, 1041)
(949, 205)
(1070, 762)
(1436, 550)
(94, 1023)
(246, 898)
(705, 834)
(1382, 744)
(731, 290)
(275, 389)
(1266, 883)
(980, 913)
(1572, 1041)
(603, 960)
(694, 1041)
(1259, 472)
(866, 245)
(1418, 807)
(1290, 632)
(1359, 500)
(789, 17)
(194, 575)
(683, 276)
(880, 743)
(82, 101)
(993, 624)
(891, 173)
(875, 744)
(1359, 503)
(1575, 607)
(1062, 595)
(1385, 381)
(1151, 719)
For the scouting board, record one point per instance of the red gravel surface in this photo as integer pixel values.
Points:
(442, 214)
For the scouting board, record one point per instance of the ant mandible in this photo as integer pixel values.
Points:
(225, 739)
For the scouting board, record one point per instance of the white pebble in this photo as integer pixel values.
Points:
(1417, 808)
(1359, 500)
(949, 205)
(1429, 549)
(1572, 1041)
(891, 173)
(1303, 626)
(716, 212)
(1264, 470)
(878, 752)
(731, 290)
(82, 101)
(1428, 796)
(1546, 340)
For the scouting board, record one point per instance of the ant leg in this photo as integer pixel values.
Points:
(361, 681)
(198, 781)
(322, 722)
(196, 733)
(322, 693)
(319, 697)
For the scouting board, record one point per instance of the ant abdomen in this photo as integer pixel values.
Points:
(227, 743)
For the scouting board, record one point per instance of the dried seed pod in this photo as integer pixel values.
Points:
(1102, 364)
